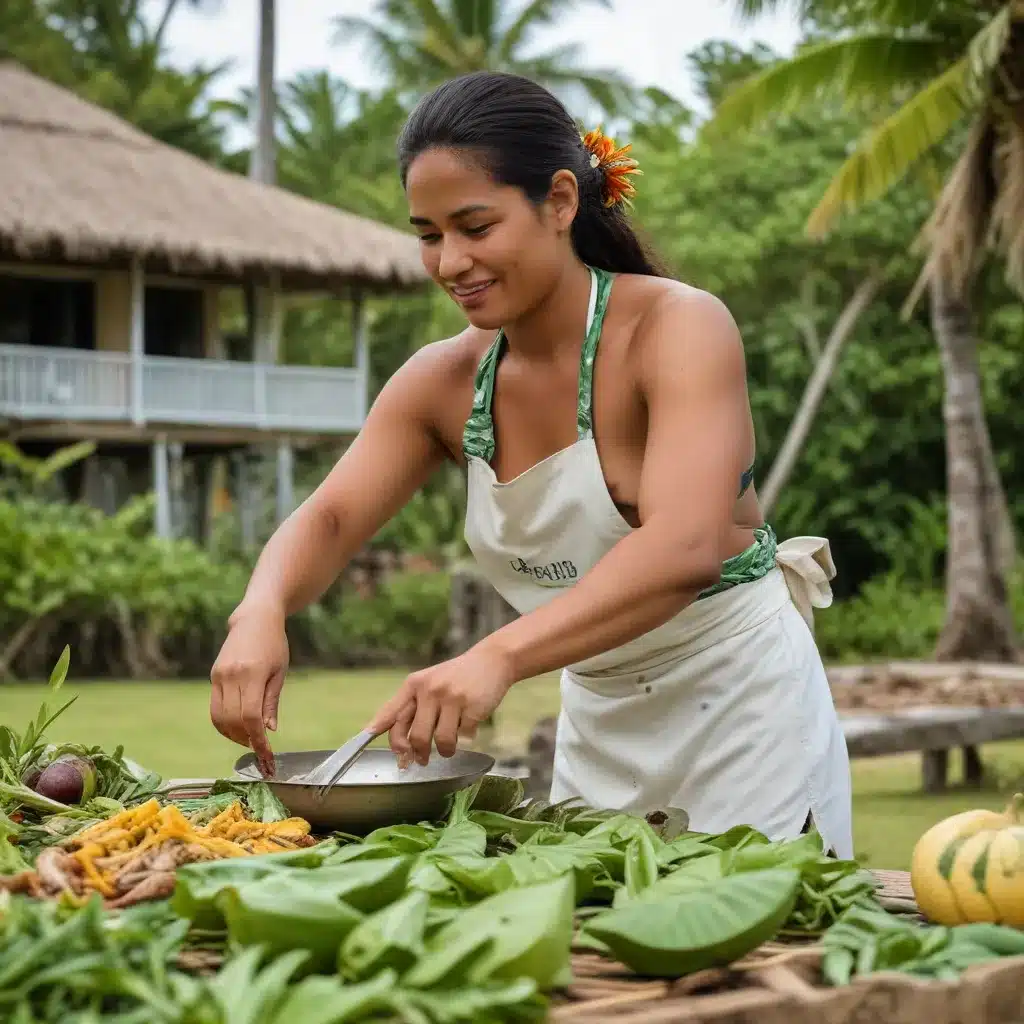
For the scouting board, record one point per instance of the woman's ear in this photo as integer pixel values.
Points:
(564, 199)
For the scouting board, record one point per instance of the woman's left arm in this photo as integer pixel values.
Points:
(692, 375)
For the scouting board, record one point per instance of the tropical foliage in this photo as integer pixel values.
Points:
(886, 451)
(949, 78)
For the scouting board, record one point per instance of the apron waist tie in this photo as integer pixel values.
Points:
(807, 566)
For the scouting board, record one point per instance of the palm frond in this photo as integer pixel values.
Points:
(1007, 226)
(387, 53)
(467, 55)
(476, 19)
(954, 233)
(986, 49)
(855, 68)
(537, 14)
(751, 9)
(443, 29)
(892, 148)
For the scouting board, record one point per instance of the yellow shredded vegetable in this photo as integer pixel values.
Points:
(117, 844)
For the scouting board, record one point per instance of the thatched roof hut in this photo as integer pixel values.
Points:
(80, 185)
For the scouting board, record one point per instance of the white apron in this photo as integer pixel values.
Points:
(725, 710)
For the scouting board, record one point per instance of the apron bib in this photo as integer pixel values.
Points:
(725, 710)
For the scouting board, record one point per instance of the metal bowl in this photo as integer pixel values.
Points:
(373, 792)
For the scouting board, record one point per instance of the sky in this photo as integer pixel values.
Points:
(645, 39)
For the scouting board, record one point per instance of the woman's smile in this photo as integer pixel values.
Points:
(471, 296)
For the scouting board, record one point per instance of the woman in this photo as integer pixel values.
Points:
(601, 411)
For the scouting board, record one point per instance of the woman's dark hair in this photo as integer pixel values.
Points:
(522, 134)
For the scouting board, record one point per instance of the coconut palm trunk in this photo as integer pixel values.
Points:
(978, 621)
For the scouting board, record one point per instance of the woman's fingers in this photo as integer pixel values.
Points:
(446, 733)
(421, 733)
(398, 735)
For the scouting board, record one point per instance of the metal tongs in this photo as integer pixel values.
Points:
(327, 773)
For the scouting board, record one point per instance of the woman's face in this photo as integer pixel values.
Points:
(492, 250)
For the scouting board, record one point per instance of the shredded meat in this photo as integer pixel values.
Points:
(58, 872)
(23, 882)
(154, 886)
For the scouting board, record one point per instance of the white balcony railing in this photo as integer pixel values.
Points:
(70, 384)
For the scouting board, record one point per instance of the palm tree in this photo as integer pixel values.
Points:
(951, 75)
(420, 43)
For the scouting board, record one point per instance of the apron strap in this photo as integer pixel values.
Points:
(600, 289)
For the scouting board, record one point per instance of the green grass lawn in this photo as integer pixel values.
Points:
(166, 726)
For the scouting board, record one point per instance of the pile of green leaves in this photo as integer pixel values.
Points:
(868, 939)
(84, 966)
(488, 903)
(470, 919)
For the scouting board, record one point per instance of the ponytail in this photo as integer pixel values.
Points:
(604, 238)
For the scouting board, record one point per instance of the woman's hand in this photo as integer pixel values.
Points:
(247, 678)
(439, 704)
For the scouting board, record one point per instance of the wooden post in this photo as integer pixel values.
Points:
(974, 769)
(161, 487)
(285, 480)
(362, 355)
(247, 500)
(176, 488)
(935, 770)
(137, 339)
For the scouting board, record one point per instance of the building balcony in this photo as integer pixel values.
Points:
(65, 384)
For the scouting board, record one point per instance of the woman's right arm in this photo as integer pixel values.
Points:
(394, 454)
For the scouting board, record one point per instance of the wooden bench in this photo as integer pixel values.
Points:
(931, 731)
(934, 731)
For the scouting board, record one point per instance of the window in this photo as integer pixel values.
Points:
(174, 322)
(54, 312)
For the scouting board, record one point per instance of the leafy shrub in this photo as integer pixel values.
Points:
(893, 617)
(135, 605)
(405, 622)
(888, 618)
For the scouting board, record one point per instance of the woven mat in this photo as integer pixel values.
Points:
(894, 885)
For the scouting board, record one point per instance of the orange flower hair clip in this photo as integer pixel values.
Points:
(614, 164)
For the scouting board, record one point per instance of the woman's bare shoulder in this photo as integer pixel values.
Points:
(649, 297)
(434, 386)
(651, 308)
(448, 363)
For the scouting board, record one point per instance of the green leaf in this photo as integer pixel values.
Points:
(736, 838)
(641, 867)
(198, 885)
(498, 825)
(684, 848)
(521, 933)
(285, 913)
(405, 838)
(795, 853)
(498, 794)
(889, 150)
(391, 938)
(245, 993)
(258, 797)
(60, 670)
(528, 865)
(866, 66)
(464, 838)
(716, 924)
(319, 1000)
(475, 1005)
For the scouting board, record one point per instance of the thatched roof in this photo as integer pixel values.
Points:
(79, 184)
